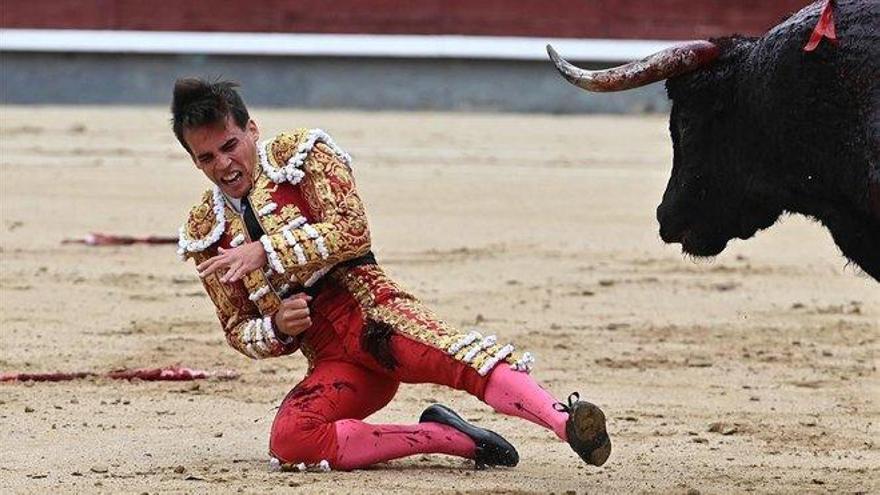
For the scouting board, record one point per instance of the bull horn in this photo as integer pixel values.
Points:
(671, 62)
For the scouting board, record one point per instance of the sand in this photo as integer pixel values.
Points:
(755, 371)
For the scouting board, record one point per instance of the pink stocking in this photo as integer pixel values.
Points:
(516, 393)
(361, 444)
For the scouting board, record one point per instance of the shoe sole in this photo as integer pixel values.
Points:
(589, 426)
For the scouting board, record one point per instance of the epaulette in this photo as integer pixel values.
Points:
(204, 226)
(283, 156)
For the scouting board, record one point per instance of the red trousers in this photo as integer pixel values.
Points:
(346, 382)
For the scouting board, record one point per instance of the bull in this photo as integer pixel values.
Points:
(760, 127)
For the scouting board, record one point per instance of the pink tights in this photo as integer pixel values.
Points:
(322, 417)
(362, 444)
(509, 392)
(518, 394)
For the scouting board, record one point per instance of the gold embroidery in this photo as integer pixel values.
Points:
(340, 232)
(381, 299)
(238, 315)
(260, 197)
(201, 220)
(235, 225)
(285, 146)
(289, 213)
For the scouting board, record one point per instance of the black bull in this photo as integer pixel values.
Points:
(760, 127)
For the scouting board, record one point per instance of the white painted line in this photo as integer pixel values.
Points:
(324, 45)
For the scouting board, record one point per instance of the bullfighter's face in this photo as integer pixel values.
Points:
(226, 153)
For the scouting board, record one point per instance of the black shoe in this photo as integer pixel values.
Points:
(585, 430)
(492, 448)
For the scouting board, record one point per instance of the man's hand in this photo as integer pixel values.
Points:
(293, 317)
(235, 262)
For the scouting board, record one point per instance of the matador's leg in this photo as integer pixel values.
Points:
(417, 346)
(420, 348)
(321, 419)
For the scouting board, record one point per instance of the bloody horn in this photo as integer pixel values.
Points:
(671, 62)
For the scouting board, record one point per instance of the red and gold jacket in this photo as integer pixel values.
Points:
(305, 200)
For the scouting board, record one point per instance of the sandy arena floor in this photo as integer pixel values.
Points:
(754, 372)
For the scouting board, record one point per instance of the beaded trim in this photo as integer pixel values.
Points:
(524, 363)
(313, 234)
(501, 354)
(294, 244)
(464, 342)
(292, 171)
(257, 335)
(272, 255)
(485, 344)
(186, 245)
(262, 291)
(267, 209)
(297, 222)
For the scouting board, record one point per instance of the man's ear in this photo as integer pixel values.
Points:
(253, 130)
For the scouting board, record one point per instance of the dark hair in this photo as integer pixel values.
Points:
(198, 103)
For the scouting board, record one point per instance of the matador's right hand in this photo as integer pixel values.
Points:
(294, 316)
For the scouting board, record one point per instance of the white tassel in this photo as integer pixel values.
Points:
(297, 222)
(267, 209)
(274, 259)
(262, 291)
(464, 342)
(300, 254)
(250, 352)
(524, 363)
(247, 332)
(322, 248)
(310, 231)
(501, 354)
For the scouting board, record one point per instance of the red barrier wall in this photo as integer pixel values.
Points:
(639, 19)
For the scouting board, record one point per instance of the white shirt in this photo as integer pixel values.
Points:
(235, 203)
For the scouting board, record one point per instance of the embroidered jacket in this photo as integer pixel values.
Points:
(319, 223)
(305, 200)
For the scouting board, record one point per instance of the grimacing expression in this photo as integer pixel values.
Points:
(226, 153)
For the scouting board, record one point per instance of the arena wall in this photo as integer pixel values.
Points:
(625, 19)
(405, 78)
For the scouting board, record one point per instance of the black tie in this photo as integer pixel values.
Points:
(250, 220)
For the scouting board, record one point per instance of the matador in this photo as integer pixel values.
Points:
(282, 245)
